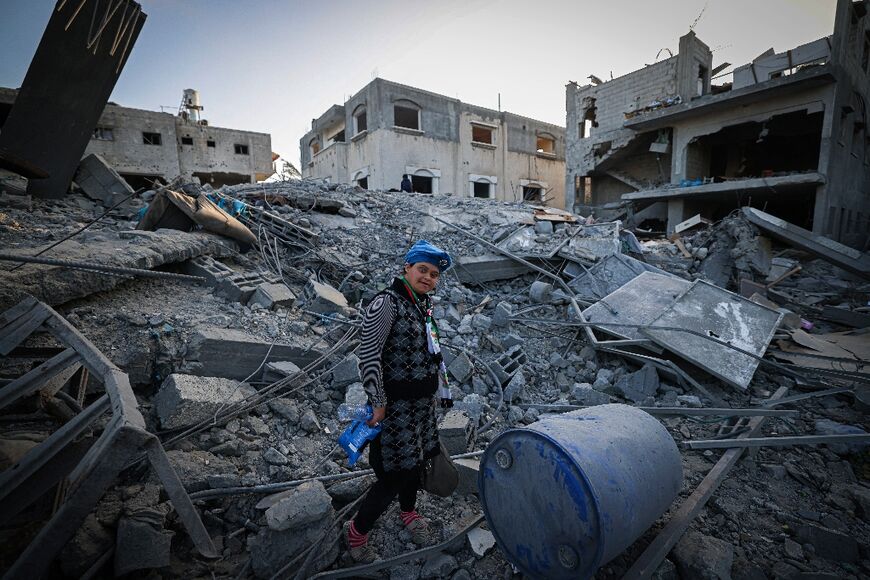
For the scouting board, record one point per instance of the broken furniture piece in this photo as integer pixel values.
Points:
(84, 473)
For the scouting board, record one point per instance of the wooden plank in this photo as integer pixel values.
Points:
(32, 381)
(649, 561)
(776, 441)
(16, 332)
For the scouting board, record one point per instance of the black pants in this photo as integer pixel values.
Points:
(404, 483)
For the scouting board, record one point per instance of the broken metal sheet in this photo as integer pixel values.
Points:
(639, 301)
(593, 242)
(724, 317)
(610, 274)
(843, 256)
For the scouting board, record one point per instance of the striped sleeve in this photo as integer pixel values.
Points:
(377, 323)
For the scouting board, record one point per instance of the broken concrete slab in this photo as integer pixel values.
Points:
(235, 354)
(187, 399)
(100, 181)
(829, 544)
(306, 503)
(639, 385)
(272, 295)
(727, 319)
(488, 268)
(834, 252)
(56, 284)
(698, 555)
(323, 298)
(638, 302)
(461, 368)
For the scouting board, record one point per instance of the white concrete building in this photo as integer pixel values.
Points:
(147, 144)
(789, 135)
(387, 130)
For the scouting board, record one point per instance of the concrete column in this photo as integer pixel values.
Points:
(676, 213)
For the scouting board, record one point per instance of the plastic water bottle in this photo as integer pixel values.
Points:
(354, 412)
(355, 438)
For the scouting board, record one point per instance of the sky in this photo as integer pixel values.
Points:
(273, 66)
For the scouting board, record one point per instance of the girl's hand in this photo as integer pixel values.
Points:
(378, 414)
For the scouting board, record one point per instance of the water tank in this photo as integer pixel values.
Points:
(568, 493)
(191, 99)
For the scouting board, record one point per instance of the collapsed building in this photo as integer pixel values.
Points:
(789, 135)
(143, 146)
(388, 130)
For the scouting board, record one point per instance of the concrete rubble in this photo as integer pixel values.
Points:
(240, 376)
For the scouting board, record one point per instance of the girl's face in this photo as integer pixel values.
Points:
(422, 276)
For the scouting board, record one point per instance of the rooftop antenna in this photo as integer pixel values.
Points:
(499, 102)
(698, 19)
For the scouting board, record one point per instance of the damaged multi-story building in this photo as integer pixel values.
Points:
(789, 135)
(146, 145)
(388, 130)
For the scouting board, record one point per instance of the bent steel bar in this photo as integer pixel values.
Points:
(121, 441)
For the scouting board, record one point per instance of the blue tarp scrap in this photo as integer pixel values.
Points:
(233, 207)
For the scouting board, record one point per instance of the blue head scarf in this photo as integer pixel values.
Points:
(423, 251)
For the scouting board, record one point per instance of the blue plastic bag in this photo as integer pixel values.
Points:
(354, 439)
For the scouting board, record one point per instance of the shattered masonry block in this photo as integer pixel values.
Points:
(305, 504)
(469, 469)
(457, 432)
(271, 295)
(487, 268)
(323, 298)
(209, 268)
(501, 318)
(541, 292)
(461, 368)
(239, 287)
(508, 364)
(100, 181)
(185, 399)
(346, 372)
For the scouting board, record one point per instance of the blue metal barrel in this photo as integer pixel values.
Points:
(570, 492)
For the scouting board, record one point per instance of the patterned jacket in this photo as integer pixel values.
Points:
(395, 362)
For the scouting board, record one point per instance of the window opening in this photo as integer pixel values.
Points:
(546, 144)
(314, 146)
(338, 137)
(421, 184)
(240, 149)
(210, 143)
(364, 182)
(589, 121)
(587, 191)
(481, 189)
(187, 140)
(406, 117)
(702, 80)
(360, 119)
(103, 134)
(531, 193)
(152, 138)
(481, 134)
